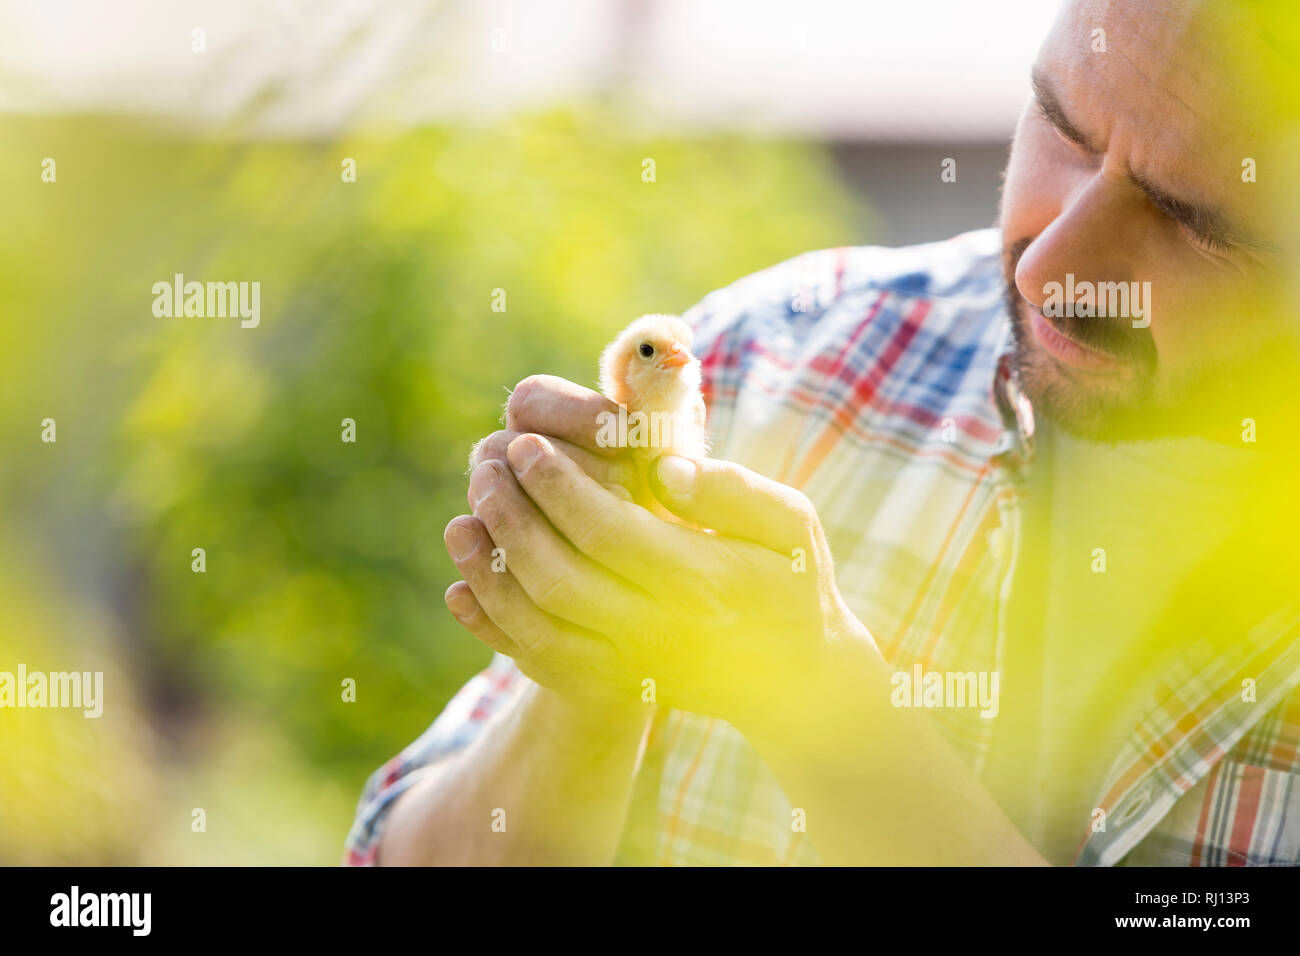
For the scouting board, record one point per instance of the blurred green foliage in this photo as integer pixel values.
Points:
(324, 559)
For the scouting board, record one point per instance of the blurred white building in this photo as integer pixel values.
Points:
(897, 87)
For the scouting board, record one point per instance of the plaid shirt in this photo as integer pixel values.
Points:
(878, 382)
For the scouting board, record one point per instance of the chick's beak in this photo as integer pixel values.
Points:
(676, 357)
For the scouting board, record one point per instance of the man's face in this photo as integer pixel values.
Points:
(1130, 166)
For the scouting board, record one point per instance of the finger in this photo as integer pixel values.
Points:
(607, 470)
(736, 502)
(559, 579)
(504, 617)
(615, 533)
(464, 607)
(555, 406)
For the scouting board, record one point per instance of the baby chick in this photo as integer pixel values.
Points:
(649, 368)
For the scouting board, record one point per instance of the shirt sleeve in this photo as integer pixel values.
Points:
(456, 727)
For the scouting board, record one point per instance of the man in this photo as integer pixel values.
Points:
(1062, 624)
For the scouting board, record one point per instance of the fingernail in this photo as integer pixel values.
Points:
(483, 481)
(461, 542)
(460, 601)
(677, 474)
(619, 491)
(523, 451)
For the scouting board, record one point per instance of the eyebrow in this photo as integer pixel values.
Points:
(1202, 219)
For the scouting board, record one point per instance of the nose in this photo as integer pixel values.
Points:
(1091, 235)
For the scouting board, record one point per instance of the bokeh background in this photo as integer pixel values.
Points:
(497, 145)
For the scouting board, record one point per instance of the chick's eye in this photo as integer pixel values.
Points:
(646, 350)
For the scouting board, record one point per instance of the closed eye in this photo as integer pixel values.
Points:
(1204, 226)
(1202, 240)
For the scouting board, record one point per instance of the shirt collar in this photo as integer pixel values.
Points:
(1015, 445)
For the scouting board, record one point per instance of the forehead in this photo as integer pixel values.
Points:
(660, 328)
(1175, 95)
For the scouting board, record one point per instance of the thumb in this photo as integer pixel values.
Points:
(732, 500)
